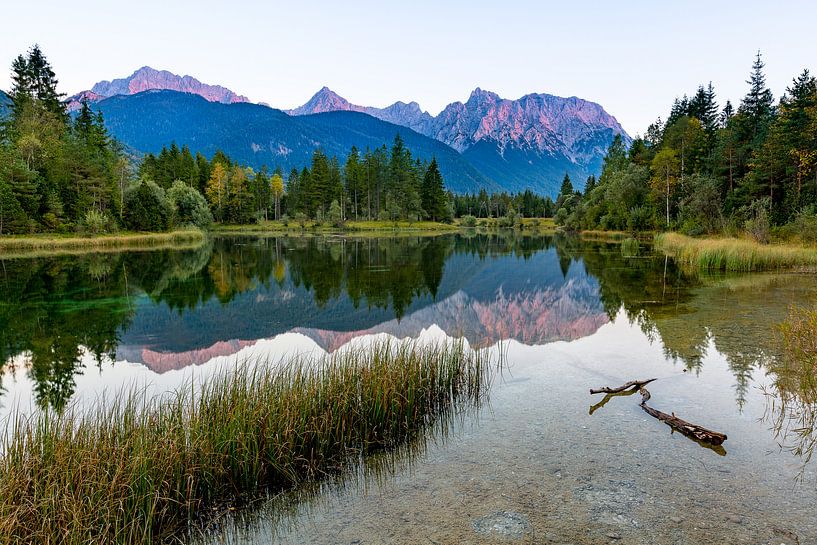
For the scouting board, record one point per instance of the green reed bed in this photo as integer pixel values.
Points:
(50, 242)
(734, 254)
(137, 469)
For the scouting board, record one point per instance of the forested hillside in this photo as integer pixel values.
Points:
(256, 135)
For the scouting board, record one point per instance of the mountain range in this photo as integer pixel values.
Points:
(527, 142)
(486, 142)
(258, 135)
(147, 79)
(533, 301)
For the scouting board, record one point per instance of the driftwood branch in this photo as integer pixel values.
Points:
(690, 430)
(634, 384)
(700, 434)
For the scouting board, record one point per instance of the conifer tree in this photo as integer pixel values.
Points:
(43, 83)
(757, 106)
(567, 186)
(434, 199)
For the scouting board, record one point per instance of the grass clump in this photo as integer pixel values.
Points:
(734, 254)
(630, 247)
(142, 470)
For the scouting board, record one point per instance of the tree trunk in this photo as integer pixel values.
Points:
(667, 198)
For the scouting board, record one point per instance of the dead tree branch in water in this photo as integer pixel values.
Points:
(694, 431)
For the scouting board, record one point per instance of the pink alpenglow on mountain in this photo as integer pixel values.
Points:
(148, 79)
(527, 143)
(74, 102)
(538, 122)
(407, 115)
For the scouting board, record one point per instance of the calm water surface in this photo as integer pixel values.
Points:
(535, 464)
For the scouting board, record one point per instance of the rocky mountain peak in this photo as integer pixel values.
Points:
(325, 100)
(528, 131)
(147, 78)
(480, 96)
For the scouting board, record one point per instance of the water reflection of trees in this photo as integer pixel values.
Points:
(53, 309)
(791, 407)
(690, 313)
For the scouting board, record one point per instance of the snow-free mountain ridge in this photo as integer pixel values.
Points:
(147, 79)
(527, 143)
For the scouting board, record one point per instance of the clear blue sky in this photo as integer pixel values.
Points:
(633, 57)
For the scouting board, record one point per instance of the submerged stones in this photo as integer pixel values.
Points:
(504, 524)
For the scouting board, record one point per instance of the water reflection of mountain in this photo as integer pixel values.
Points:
(169, 309)
(565, 313)
(532, 300)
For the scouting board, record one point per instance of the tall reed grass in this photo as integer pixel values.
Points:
(733, 254)
(94, 243)
(792, 400)
(138, 469)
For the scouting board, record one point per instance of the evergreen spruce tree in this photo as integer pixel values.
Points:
(434, 199)
(43, 83)
(567, 186)
(590, 185)
(21, 86)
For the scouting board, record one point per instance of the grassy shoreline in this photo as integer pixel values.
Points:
(349, 226)
(374, 226)
(139, 470)
(736, 254)
(46, 244)
(52, 243)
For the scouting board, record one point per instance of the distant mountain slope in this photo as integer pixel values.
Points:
(526, 143)
(258, 135)
(5, 103)
(146, 79)
(408, 115)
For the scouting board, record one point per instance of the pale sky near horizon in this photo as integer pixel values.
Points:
(632, 57)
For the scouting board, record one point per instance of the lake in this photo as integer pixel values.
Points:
(538, 462)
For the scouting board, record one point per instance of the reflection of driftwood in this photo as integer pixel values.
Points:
(698, 433)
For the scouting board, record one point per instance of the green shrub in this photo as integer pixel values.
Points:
(190, 206)
(335, 214)
(13, 219)
(640, 219)
(96, 223)
(468, 221)
(147, 208)
(805, 225)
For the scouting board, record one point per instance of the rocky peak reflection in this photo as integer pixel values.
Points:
(170, 309)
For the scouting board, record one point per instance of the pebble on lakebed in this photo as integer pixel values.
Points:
(507, 524)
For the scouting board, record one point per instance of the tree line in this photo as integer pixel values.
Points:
(62, 172)
(710, 169)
